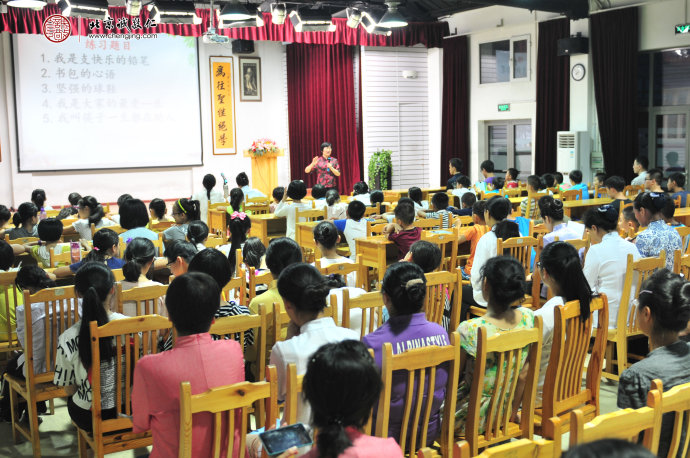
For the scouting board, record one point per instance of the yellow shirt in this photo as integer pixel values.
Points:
(7, 292)
(267, 298)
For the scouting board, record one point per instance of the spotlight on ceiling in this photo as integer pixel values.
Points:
(90, 9)
(354, 17)
(35, 4)
(256, 21)
(392, 18)
(173, 13)
(307, 20)
(235, 11)
(370, 24)
(278, 13)
(133, 7)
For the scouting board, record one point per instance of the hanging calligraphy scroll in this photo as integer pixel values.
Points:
(223, 106)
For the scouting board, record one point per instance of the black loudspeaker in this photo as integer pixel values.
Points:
(242, 46)
(573, 45)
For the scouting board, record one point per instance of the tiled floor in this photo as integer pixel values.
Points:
(59, 438)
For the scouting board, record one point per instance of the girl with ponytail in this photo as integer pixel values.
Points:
(326, 237)
(347, 368)
(105, 251)
(404, 290)
(551, 211)
(90, 212)
(208, 194)
(139, 257)
(94, 284)
(25, 221)
(183, 212)
(239, 225)
(197, 233)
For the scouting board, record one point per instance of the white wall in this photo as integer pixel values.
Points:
(253, 120)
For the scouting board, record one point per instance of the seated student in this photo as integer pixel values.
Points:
(296, 191)
(5, 216)
(105, 251)
(49, 233)
(326, 237)
(511, 178)
(473, 234)
(184, 210)
(653, 181)
(629, 222)
(404, 290)
(360, 192)
(239, 225)
(304, 291)
(135, 218)
(253, 254)
(599, 180)
(658, 236)
(502, 285)
(403, 232)
(487, 171)
(354, 227)
(157, 212)
(138, 262)
(663, 311)
(534, 185)
(178, 256)
(495, 186)
(280, 253)
(236, 201)
(640, 165)
(67, 212)
(277, 195)
(466, 201)
(192, 302)
(90, 212)
(551, 211)
(197, 234)
(667, 212)
(575, 177)
(549, 180)
(614, 189)
(676, 186)
(415, 193)
(425, 254)
(376, 197)
(25, 222)
(120, 200)
(560, 270)
(334, 207)
(455, 170)
(463, 185)
(209, 193)
(318, 192)
(559, 181)
(607, 256)
(38, 198)
(242, 181)
(439, 209)
(94, 283)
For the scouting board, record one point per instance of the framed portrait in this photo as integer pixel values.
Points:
(250, 79)
(223, 106)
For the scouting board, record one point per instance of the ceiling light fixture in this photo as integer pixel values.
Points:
(133, 7)
(307, 20)
(27, 3)
(256, 21)
(235, 11)
(91, 9)
(392, 18)
(278, 13)
(173, 13)
(370, 24)
(354, 17)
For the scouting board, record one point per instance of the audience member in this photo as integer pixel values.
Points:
(277, 195)
(197, 234)
(609, 448)
(558, 176)
(473, 234)
(5, 216)
(25, 222)
(455, 170)
(599, 179)
(179, 254)
(326, 237)
(335, 208)
(658, 236)
(425, 254)
(439, 209)
(463, 185)
(576, 183)
(296, 191)
(236, 201)
(512, 178)
(120, 200)
(183, 211)
(139, 257)
(629, 223)
(360, 192)
(415, 193)
(105, 251)
(549, 180)
(487, 170)
(534, 185)
(72, 209)
(355, 226)
(209, 194)
(640, 165)
(467, 201)
(158, 212)
(49, 233)
(134, 217)
(38, 198)
(403, 232)
(653, 181)
(242, 181)
(239, 225)
(90, 212)
(551, 211)
(668, 213)
(6, 262)
(614, 189)
(676, 186)
(318, 193)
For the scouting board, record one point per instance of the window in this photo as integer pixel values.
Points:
(509, 144)
(504, 61)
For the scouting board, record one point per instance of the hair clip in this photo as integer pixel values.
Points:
(128, 240)
(240, 215)
(95, 248)
(645, 291)
(413, 282)
(179, 203)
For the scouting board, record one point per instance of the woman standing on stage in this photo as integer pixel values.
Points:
(327, 167)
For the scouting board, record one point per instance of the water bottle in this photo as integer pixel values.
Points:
(43, 214)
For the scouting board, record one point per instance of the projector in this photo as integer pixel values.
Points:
(212, 37)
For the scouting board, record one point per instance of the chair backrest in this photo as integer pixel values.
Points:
(507, 348)
(371, 305)
(115, 228)
(11, 296)
(523, 448)
(681, 264)
(448, 243)
(578, 244)
(344, 269)
(134, 338)
(311, 215)
(375, 210)
(20, 240)
(64, 257)
(263, 278)
(226, 403)
(684, 232)
(462, 221)
(571, 194)
(632, 190)
(421, 365)
(374, 229)
(511, 192)
(237, 283)
(212, 242)
(428, 223)
(280, 321)
(257, 205)
(145, 298)
(532, 209)
(563, 389)
(636, 272)
(520, 248)
(624, 424)
(293, 389)
(119, 276)
(676, 400)
(441, 287)
(160, 226)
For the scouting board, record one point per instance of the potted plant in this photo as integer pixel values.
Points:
(380, 169)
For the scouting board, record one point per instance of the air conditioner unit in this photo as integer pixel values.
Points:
(572, 152)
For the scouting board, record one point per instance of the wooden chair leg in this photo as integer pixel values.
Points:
(609, 357)
(33, 425)
(51, 406)
(622, 349)
(14, 410)
(82, 444)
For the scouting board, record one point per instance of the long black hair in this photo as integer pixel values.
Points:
(303, 285)
(236, 199)
(139, 252)
(96, 209)
(499, 208)
(562, 262)
(189, 207)
(197, 232)
(103, 240)
(252, 252)
(405, 284)
(239, 226)
(33, 278)
(24, 213)
(668, 297)
(209, 182)
(326, 234)
(506, 279)
(93, 282)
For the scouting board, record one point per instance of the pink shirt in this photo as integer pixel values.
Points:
(204, 363)
(364, 446)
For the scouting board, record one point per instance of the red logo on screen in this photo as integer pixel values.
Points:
(57, 28)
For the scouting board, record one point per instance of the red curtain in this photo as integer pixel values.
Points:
(553, 93)
(615, 37)
(455, 121)
(430, 34)
(321, 107)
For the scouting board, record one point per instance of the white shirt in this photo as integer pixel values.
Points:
(605, 267)
(320, 204)
(289, 210)
(299, 349)
(351, 278)
(250, 193)
(547, 313)
(461, 192)
(355, 314)
(83, 227)
(129, 308)
(353, 230)
(216, 198)
(364, 198)
(38, 335)
(337, 211)
(639, 179)
(486, 249)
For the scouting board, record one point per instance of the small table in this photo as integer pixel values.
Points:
(267, 227)
(682, 215)
(427, 191)
(575, 208)
(374, 252)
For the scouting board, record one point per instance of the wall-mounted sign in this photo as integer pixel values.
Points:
(682, 28)
(504, 107)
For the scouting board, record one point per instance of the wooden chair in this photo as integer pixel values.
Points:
(677, 201)
(375, 210)
(12, 297)
(563, 390)
(280, 321)
(428, 223)
(257, 205)
(115, 228)
(293, 389)
(448, 243)
(228, 404)
(521, 249)
(344, 269)
(20, 240)
(578, 244)
(681, 264)
(462, 221)
(211, 207)
(532, 209)
(148, 300)
(631, 191)
(64, 258)
(421, 365)
(375, 229)
(213, 242)
(511, 192)
(160, 226)
(571, 194)
(626, 321)
(624, 424)
(676, 401)
(264, 278)
(61, 311)
(134, 338)
(442, 287)
(119, 276)
(507, 347)
(684, 232)
(238, 284)
(311, 215)
(371, 306)
(523, 448)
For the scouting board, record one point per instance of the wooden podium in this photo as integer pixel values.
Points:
(264, 171)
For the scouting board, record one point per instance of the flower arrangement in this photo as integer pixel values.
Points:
(263, 146)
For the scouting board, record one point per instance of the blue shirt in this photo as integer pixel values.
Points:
(138, 232)
(658, 236)
(683, 197)
(112, 263)
(583, 188)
